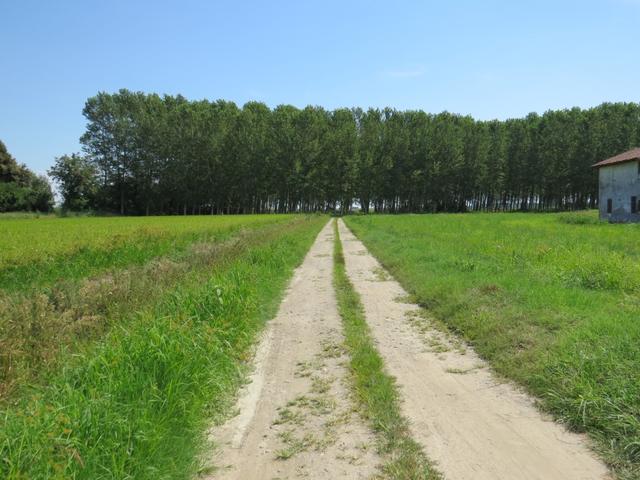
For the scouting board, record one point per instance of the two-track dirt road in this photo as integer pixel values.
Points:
(297, 418)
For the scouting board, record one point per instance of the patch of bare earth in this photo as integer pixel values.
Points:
(470, 425)
(296, 416)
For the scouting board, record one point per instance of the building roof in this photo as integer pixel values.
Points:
(629, 156)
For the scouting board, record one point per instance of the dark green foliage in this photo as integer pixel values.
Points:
(9, 168)
(169, 155)
(77, 179)
(20, 188)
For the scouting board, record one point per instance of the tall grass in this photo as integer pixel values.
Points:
(37, 325)
(136, 403)
(551, 303)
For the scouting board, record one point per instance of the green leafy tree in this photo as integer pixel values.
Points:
(9, 168)
(171, 155)
(76, 178)
(20, 188)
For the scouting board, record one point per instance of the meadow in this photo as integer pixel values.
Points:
(117, 369)
(36, 251)
(550, 300)
(122, 339)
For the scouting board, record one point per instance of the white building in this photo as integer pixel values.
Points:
(619, 180)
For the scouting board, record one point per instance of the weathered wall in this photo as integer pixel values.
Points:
(619, 183)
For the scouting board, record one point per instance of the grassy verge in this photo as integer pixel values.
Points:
(38, 327)
(375, 389)
(136, 403)
(550, 301)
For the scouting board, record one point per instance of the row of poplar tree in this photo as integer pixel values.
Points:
(165, 154)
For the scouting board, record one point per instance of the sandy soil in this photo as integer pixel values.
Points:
(472, 426)
(296, 416)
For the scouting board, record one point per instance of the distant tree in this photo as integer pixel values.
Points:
(76, 177)
(20, 188)
(171, 155)
(9, 168)
(367, 175)
(39, 196)
(32, 193)
(113, 140)
(338, 168)
(282, 143)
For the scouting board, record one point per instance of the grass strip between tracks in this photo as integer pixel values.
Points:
(375, 389)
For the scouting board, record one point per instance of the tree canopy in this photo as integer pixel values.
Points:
(20, 188)
(77, 179)
(166, 154)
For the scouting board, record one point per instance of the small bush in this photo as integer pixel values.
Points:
(580, 218)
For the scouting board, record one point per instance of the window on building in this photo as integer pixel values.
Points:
(609, 205)
(634, 204)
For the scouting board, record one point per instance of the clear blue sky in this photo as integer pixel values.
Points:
(489, 58)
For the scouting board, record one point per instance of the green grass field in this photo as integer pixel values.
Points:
(122, 339)
(551, 300)
(117, 371)
(39, 251)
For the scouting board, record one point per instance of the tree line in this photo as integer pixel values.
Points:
(152, 154)
(20, 188)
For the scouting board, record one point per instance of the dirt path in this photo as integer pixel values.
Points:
(470, 425)
(296, 417)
